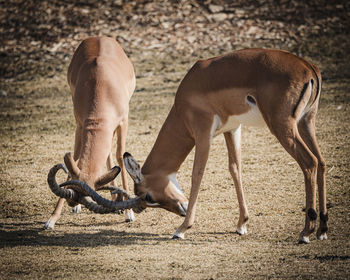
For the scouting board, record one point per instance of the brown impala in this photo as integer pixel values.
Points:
(253, 87)
(102, 80)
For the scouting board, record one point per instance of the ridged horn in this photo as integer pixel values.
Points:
(71, 165)
(56, 189)
(115, 190)
(76, 196)
(117, 205)
(94, 207)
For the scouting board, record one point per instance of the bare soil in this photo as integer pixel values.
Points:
(37, 128)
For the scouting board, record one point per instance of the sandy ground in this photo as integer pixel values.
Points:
(38, 130)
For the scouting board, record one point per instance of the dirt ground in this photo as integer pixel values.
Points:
(37, 128)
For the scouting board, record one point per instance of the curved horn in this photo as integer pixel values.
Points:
(94, 207)
(107, 177)
(71, 165)
(56, 189)
(76, 196)
(118, 205)
(115, 190)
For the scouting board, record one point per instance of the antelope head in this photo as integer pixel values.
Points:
(157, 190)
(76, 174)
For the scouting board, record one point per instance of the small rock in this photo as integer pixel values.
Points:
(3, 93)
(219, 17)
(252, 30)
(215, 8)
(56, 47)
(166, 24)
(191, 39)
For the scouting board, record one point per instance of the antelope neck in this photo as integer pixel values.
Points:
(95, 148)
(172, 146)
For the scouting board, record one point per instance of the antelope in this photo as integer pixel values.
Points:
(253, 87)
(102, 81)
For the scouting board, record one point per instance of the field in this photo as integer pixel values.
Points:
(37, 128)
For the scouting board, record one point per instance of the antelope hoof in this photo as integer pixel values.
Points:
(178, 235)
(242, 230)
(76, 209)
(322, 236)
(304, 240)
(49, 225)
(129, 216)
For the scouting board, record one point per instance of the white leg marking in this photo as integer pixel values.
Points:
(76, 209)
(304, 239)
(242, 230)
(179, 235)
(323, 236)
(237, 137)
(49, 225)
(129, 216)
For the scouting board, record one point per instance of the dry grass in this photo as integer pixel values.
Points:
(37, 129)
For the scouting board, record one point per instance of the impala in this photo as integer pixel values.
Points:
(102, 81)
(253, 87)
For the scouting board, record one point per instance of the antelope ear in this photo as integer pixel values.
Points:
(71, 165)
(107, 177)
(133, 168)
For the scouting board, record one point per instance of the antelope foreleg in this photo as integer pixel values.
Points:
(56, 214)
(200, 160)
(122, 131)
(233, 139)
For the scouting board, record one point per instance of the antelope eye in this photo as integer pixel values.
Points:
(149, 198)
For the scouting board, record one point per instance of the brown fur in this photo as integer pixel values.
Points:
(220, 87)
(102, 81)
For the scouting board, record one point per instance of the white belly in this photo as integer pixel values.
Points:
(251, 118)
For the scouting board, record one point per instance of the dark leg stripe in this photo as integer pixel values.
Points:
(312, 214)
(324, 217)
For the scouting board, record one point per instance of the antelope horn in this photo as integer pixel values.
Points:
(117, 205)
(74, 195)
(94, 207)
(71, 165)
(56, 189)
(115, 190)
